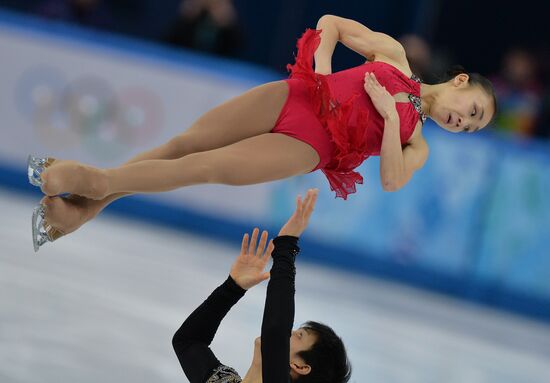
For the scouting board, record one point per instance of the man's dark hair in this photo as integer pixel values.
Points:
(327, 357)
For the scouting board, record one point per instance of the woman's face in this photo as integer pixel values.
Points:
(461, 107)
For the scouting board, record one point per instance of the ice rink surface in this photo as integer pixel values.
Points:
(102, 304)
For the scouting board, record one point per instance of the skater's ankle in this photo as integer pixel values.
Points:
(90, 208)
(106, 187)
(98, 184)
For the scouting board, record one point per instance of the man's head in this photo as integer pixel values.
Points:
(317, 355)
(326, 358)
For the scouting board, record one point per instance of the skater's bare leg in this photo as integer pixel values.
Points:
(252, 113)
(258, 159)
(67, 214)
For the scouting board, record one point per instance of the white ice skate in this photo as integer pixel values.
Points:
(41, 231)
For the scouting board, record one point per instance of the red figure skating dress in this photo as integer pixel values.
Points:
(335, 115)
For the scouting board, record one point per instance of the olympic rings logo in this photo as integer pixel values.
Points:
(87, 112)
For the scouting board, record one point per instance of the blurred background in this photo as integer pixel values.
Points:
(445, 279)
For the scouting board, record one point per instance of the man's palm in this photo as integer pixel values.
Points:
(248, 268)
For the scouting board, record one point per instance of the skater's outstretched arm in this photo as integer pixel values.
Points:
(278, 316)
(191, 342)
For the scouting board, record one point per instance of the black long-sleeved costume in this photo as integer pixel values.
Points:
(191, 342)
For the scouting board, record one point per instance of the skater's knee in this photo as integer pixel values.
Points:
(184, 144)
(176, 147)
(226, 174)
(201, 168)
(215, 169)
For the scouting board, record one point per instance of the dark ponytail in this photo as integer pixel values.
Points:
(475, 79)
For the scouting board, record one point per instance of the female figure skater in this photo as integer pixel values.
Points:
(314, 120)
(311, 353)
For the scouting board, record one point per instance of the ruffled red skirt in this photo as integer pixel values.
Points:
(348, 144)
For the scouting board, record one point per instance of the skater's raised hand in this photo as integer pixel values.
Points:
(382, 100)
(298, 222)
(248, 269)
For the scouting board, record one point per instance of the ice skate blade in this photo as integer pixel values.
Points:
(39, 234)
(35, 167)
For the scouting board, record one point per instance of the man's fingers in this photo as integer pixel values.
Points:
(306, 201)
(311, 197)
(299, 206)
(311, 203)
(268, 251)
(262, 244)
(313, 200)
(244, 244)
(299, 203)
(253, 241)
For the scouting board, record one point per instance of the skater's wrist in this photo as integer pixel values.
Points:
(391, 117)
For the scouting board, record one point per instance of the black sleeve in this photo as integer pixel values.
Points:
(279, 312)
(194, 336)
